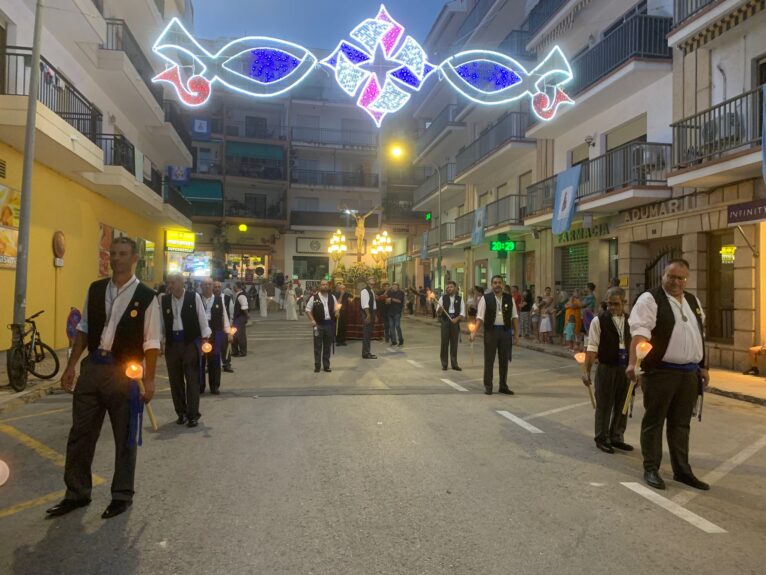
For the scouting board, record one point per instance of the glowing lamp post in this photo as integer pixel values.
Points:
(135, 371)
(642, 350)
(338, 247)
(580, 358)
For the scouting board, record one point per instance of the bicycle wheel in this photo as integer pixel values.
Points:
(16, 366)
(43, 362)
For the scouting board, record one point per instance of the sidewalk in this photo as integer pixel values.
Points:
(723, 382)
(36, 388)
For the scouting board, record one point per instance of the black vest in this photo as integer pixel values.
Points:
(318, 309)
(490, 311)
(609, 344)
(238, 311)
(373, 303)
(189, 318)
(227, 301)
(216, 314)
(129, 337)
(445, 305)
(663, 329)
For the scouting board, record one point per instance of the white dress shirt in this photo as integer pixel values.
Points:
(451, 309)
(594, 333)
(685, 344)
(366, 300)
(482, 308)
(177, 304)
(324, 300)
(117, 301)
(207, 303)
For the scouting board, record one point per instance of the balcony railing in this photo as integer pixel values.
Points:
(641, 36)
(541, 13)
(175, 198)
(244, 129)
(515, 45)
(99, 4)
(118, 151)
(408, 177)
(206, 209)
(464, 225)
(443, 119)
(120, 38)
(399, 210)
(257, 168)
(540, 196)
(154, 182)
(474, 18)
(431, 185)
(446, 231)
(686, 8)
(505, 211)
(335, 179)
(512, 126)
(728, 127)
(329, 137)
(174, 117)
(333, 220)
(273, 211)
(55, 92)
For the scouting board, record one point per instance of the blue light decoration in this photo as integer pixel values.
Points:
(380, 66)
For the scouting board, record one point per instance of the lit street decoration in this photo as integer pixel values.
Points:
(380, 66)
(338, 247)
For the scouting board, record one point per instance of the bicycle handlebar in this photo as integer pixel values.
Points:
(30, 318)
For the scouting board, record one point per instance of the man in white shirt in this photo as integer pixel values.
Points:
(369, 313)
(218, 320)
(185, 329)
(674, 371)
(451, 311)
(120, 324)
(240, 316)
(499, 310)
(322, 311)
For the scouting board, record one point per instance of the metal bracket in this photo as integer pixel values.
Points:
(752, 248)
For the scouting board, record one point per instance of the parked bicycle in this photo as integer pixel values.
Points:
(33, 356)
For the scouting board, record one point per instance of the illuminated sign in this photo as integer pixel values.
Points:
(502, 246)
(728, 254)
(380, 66)
(179, 241)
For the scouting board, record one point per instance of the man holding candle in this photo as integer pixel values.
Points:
(497, 311)
(322, 310)
(218, 320)
(184, 326)
(120, 324)
(451, 313)
(369, 309)
(673, 371)
(609, 341)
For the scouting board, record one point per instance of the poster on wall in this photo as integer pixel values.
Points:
(145, 266)
(106, 235)
(10, 203)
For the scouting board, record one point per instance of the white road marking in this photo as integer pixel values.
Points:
(723, 469)
(557, 410)
(674, 508)
(454, 385)
(520, 422)
(415, 363)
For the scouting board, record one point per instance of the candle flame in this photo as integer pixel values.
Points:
(206, 347)
(472, 327)
(643, 349)
(580, 357)
(134, 370)
(233, 330)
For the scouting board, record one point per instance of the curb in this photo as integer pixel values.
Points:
(737, 395)
(21, 398)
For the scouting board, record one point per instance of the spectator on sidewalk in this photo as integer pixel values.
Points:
(394, 308)
(752, 355)
(525, 311)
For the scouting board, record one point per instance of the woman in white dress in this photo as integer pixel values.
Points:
(263, 296)
(290, 304)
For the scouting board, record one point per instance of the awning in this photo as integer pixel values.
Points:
(209, 190)
(261, 151)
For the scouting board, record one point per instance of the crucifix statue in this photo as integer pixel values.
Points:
(359, 233)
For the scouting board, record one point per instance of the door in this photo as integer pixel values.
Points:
(480, 275)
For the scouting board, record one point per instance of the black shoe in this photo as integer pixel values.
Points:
(202, 391)
(393, 343)
(401, 343)
(316, 369)
(457, 368)
(487, 391)
(653, 479)
(752, 371)
(116, 507)
(622, 446)
(605, 447)
(340, 343)
(692, 481)
(506, 391)
(215, 392)
(228, 369)
(65, 506)
(192, 423)
(181, 419)
(444, 368)
(370, 356)
(327, 369)
(242, 355)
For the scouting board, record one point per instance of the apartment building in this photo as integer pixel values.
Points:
(104, 137)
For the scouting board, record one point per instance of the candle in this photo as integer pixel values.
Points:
(207, 347)
(580, 358)
(472, 329)
(135, 371)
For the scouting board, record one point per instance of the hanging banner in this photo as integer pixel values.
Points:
(424, 247)
(477, 233)
(567, 183)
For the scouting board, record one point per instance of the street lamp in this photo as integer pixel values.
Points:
(381, 248)
(338, 247)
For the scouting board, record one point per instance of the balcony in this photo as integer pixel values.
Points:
(178, 123)
(203, 210)
(473, 19)
(720, 145)
(328, 138)
(154, 182)
(331, 220)
(507, 211)
(254, 130)
(464, 225)
(541, 13)
(329, 179)
(633, 175)
(442, 125)
(633, 56)
(693, 18)
(175, 199)
(407, 177)
(255, 210)
(515, 45)
(258, 161)
(397, 210)
(446, 232)
(684, 9)
(497, 146)
(426, 195)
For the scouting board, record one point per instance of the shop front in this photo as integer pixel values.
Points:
(585, 254)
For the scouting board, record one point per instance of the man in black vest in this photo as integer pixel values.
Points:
(394, 308)
(609, 341)
(344, 299)
(218, 320)
(451, 313)
(120, 324)
(225, 353)
(369, 311)
(185, 329)
(498, 313)
(674, 371)
(322, 310)
(240, 317)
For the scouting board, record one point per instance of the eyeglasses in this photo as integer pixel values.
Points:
(677, 279)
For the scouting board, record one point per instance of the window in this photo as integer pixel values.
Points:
(632, 131)
(502, 191)
(255, 127)
(720, 306)
(580, 154)
(311, 267)
(306, 204)
(484, 199)
(525, 180)
(760, 72)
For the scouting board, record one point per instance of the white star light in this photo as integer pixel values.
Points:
(369, 33)
(413, 56)
(391, 99)
(349, 77)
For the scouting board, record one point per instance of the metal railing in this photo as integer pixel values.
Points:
(448, 116)
(120, 38)
(175, 119)
(634, 164)
(542, 12)
(257, 168)
(506, 211)
(730, 126)
(118, 151)
(333, 220)
(274, 211)
(473, 19)
(242, 129)
(540, 196)
(206, 209)
(431, 185)
(55, 92)
(515, 45)
(394, 209)
(464, 225)
(641, 36)
(175, 198)
(335, 179)
(408, 176)
(446, 231)
(154, 182)
(330, 137)
(683, 9)
(512, 126)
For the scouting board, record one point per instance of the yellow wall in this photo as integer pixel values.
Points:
(59, 203)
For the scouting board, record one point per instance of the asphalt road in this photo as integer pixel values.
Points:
(381, 467)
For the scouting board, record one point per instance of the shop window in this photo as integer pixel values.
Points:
(574, 267)
(722, 254)
(311, 267)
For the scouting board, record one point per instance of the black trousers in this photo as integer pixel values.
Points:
(182, 360)
(212, 361)
(668, 394)
(342, 322)
(225, 353)
(323, 343)
(367, 337)
(497, 342)
(611, 389)
(100, 389)
(239, 345)
(450, 338)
